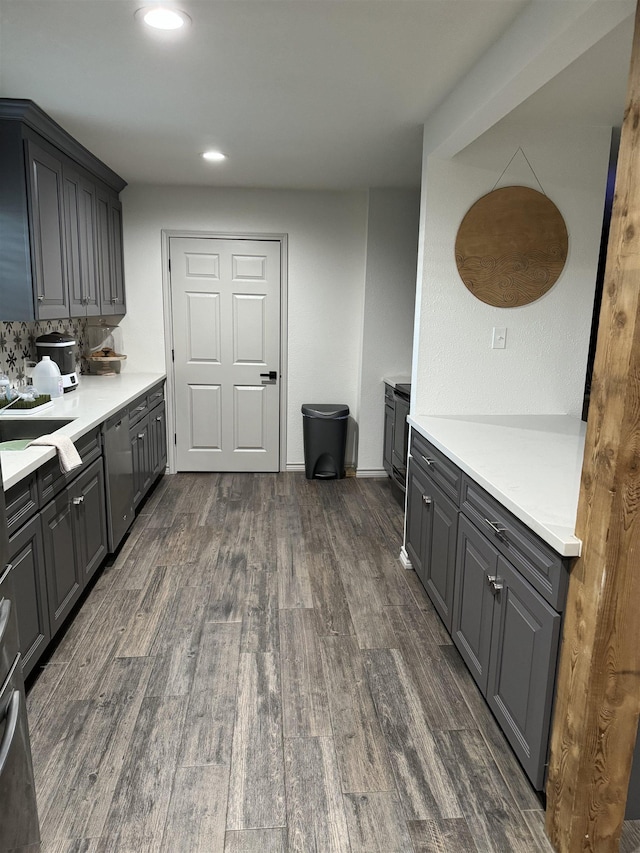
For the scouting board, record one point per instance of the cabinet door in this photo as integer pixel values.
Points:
(72, 241)
(473, 600)
(27, 558)
(158, 442)
(64, 580)
(117, 259)
(418, 531)
(141, 450)
(89, 519)
(388, 439)
(105, 276)
(88, 234)
(439, 558)
(46, 218)
(524, 650)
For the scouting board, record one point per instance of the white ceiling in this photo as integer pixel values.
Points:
(299, 93)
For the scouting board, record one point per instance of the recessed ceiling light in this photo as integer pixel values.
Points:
(163, 17)
(214, 156)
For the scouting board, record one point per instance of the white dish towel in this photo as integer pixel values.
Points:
(68, 456)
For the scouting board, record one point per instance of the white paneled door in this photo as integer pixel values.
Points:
(225, 300)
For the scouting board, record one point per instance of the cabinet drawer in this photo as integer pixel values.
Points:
(51, 479)
(138, 409)
(543, 567)
(155, 396)
(22, 503)
(442, 470)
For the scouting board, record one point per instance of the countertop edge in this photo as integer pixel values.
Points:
(34, 457)
(567, 547)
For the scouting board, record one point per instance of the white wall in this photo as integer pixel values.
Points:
(388, 312)
(542, 369)
(326, 232)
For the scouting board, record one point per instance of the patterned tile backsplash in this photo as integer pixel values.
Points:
(18, 341)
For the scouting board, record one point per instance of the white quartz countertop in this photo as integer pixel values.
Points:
(396, 380)
(94, 401)
(531, 464)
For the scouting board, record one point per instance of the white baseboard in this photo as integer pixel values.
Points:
(404, 559)
(292, 467)
(378, 473)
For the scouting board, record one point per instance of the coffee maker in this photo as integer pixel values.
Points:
(60, 348)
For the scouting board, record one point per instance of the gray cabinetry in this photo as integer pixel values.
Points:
(64, 575)
(148, 437)
(46, 219)
(119, 478)
(81, 243)
(87, 496)
(110, 266)
(27, 558)
(389, 414)
(432, 525)
(499, 590)
(51, 254)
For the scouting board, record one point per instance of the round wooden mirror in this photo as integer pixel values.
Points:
(511, 247)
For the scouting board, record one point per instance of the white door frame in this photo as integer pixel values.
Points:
(168, 331)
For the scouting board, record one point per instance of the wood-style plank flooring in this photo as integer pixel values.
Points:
(256, 672)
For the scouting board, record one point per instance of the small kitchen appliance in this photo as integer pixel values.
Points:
(61, 349)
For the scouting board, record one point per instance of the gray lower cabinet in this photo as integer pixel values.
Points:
(141, 452)
(158, 439)
(148, 437)
(508, 636)
(75, 540)
(499, 591)
(432, 529)
(118, 463)
(26, 555)
(389, 414)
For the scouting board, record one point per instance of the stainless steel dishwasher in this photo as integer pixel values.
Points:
(118, 460)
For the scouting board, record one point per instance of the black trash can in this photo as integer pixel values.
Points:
(324, 429)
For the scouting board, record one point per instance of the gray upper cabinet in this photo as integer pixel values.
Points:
(81, 242)
(46, 208)
(110, 266)
(53, 260)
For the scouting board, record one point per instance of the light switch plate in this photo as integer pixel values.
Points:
(499, 338)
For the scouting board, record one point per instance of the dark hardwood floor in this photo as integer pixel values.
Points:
(256, 672)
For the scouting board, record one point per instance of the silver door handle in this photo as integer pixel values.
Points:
(427, 500)
(78, 501)
(140, 435)
(495, 582)
(427, 460)
(40, 298)
(498, 529)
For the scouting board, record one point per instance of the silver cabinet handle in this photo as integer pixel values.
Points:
(498, 529)
(141, 435)
(427, 500)
(5, 573)
(114, 299)
(158, 419)
(495, 582)
(78, 501)
(427, 460)
(40, 298)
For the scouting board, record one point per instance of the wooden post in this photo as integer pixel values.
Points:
(598, 695)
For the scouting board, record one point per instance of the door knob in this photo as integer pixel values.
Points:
(272, 374)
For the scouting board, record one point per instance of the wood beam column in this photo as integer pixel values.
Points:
(598, 694)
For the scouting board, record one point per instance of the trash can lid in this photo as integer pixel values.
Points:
(325, 410)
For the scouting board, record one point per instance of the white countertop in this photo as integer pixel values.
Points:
(94, 401)
(531, 464)
(396, 380)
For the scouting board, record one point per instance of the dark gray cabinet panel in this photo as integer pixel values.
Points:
(49, 236)
(418, 533)
(119, 478)
(473, 601)
(90, 519)
(388, 439)
(158, 440)
(524, 649)
(81, 242)
(141, 453)
(27, 558)
(64, 577)
(46, 211)
(110, 265)
(439, 564)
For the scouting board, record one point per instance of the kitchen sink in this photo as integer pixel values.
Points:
(19, 429)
